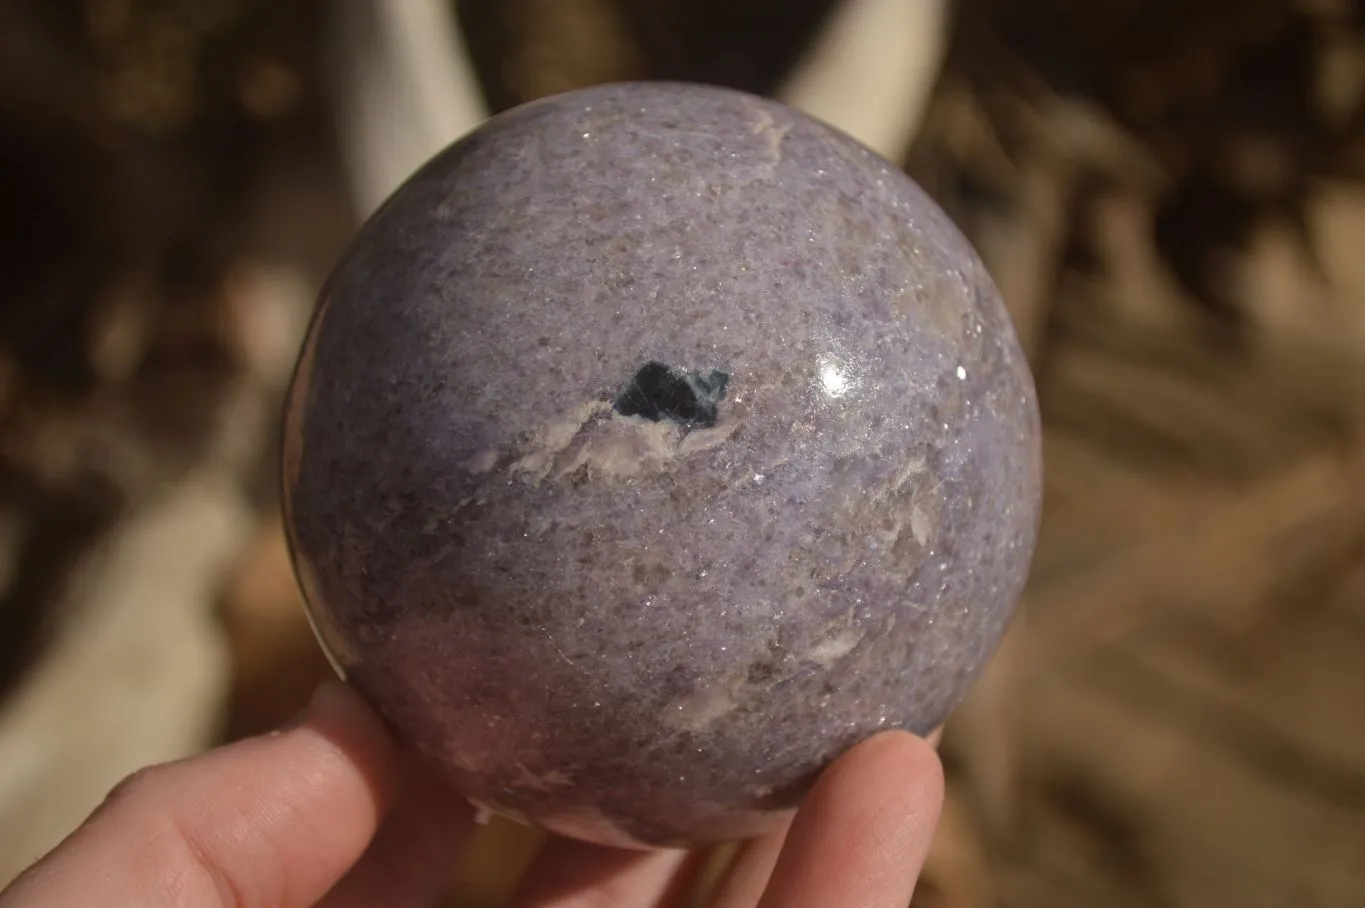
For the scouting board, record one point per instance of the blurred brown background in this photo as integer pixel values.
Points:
(1168, 193)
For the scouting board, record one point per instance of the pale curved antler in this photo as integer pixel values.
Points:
(405, 89)
(872, 71)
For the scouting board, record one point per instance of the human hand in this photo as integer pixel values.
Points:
(327, 812)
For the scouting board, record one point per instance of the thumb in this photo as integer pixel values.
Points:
(272, 821)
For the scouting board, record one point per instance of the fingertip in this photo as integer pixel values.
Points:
(895, 755)
(338, 714)
(896, 766)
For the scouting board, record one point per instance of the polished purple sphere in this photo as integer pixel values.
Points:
(652, 445)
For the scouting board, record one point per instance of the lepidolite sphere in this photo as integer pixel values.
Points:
(652, 445)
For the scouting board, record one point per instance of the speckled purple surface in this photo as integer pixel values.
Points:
(640, 631)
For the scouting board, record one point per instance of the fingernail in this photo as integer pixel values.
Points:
(329, 699)
(295, 720)
(333, 699)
